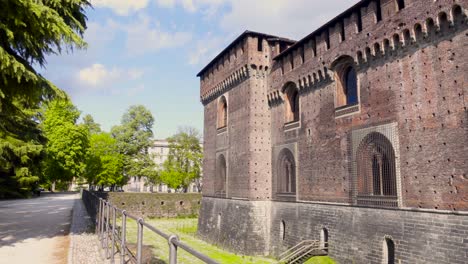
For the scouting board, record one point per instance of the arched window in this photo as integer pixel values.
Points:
(286, 183)
(220, 180)
(291, 103)
(219, 221)
(324, 239)
(222, 112)
(346, 82)
(282, 230)
(388, 251)
(376, 171)
(351, 86)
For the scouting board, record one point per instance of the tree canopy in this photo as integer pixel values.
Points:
(134, 137)
(91, 125)
(104, 164)
(30, 30)
(183, 164)
(67, 143)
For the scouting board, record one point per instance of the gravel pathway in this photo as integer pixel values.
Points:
(83, 242)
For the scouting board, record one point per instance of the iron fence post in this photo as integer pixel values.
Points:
(113, 234)
(173, 249)
(98, 220)
(102, 223)
(107, 230)
(122, 243)
(139, 240)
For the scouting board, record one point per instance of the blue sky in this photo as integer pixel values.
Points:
(149, 51)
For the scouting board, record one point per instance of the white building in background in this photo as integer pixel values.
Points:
(159, 151)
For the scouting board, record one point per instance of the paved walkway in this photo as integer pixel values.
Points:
(35, 230)
(84, 243)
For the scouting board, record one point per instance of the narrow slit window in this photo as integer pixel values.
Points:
(378, 11)
(260, 44)
(400, 4)
(343, 32)
(351, 87)
(359, 22)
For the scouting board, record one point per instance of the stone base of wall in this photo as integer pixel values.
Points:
(237, 225)
(355, 234)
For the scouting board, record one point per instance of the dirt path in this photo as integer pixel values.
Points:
(36, 230)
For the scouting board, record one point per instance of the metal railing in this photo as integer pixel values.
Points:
(303, 249)
(113, 238)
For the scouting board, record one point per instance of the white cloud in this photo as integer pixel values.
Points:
(97, 76)
(286, 18)
(121, 7)
(208, 6)
(206, 49)
(144, 36)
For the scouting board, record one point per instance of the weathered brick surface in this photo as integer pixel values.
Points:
(356, 234)
(412, 71)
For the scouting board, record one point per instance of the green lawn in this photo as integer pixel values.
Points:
(186, 230)
(320, 260)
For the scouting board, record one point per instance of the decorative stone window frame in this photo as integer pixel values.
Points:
(341, 67)
(390, 131)
(292, 148)
(222, 121)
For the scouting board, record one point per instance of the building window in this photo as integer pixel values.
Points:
(378, 11)
(282, 230)
(388, 251)
(324, 239)
(220, 180)
(359, 22)
(286, 183)
(400, 4)
(222, 112)
(260, 44)
(347, 82)
(376, 171)
(219, 221)
(291, 102)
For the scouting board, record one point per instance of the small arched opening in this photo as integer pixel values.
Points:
(282, 230)
(218, 222)
(457, 14)
(221, 176)
(418, 32)
(443, 21)
(388, 251)
(400, 4)
(324, 239)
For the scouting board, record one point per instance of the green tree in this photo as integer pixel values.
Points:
(67, 142)
(29, 30)
(134, 137)
(183, 164)
(93, 127)
(104, 164)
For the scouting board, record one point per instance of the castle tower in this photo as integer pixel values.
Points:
(355, 135)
